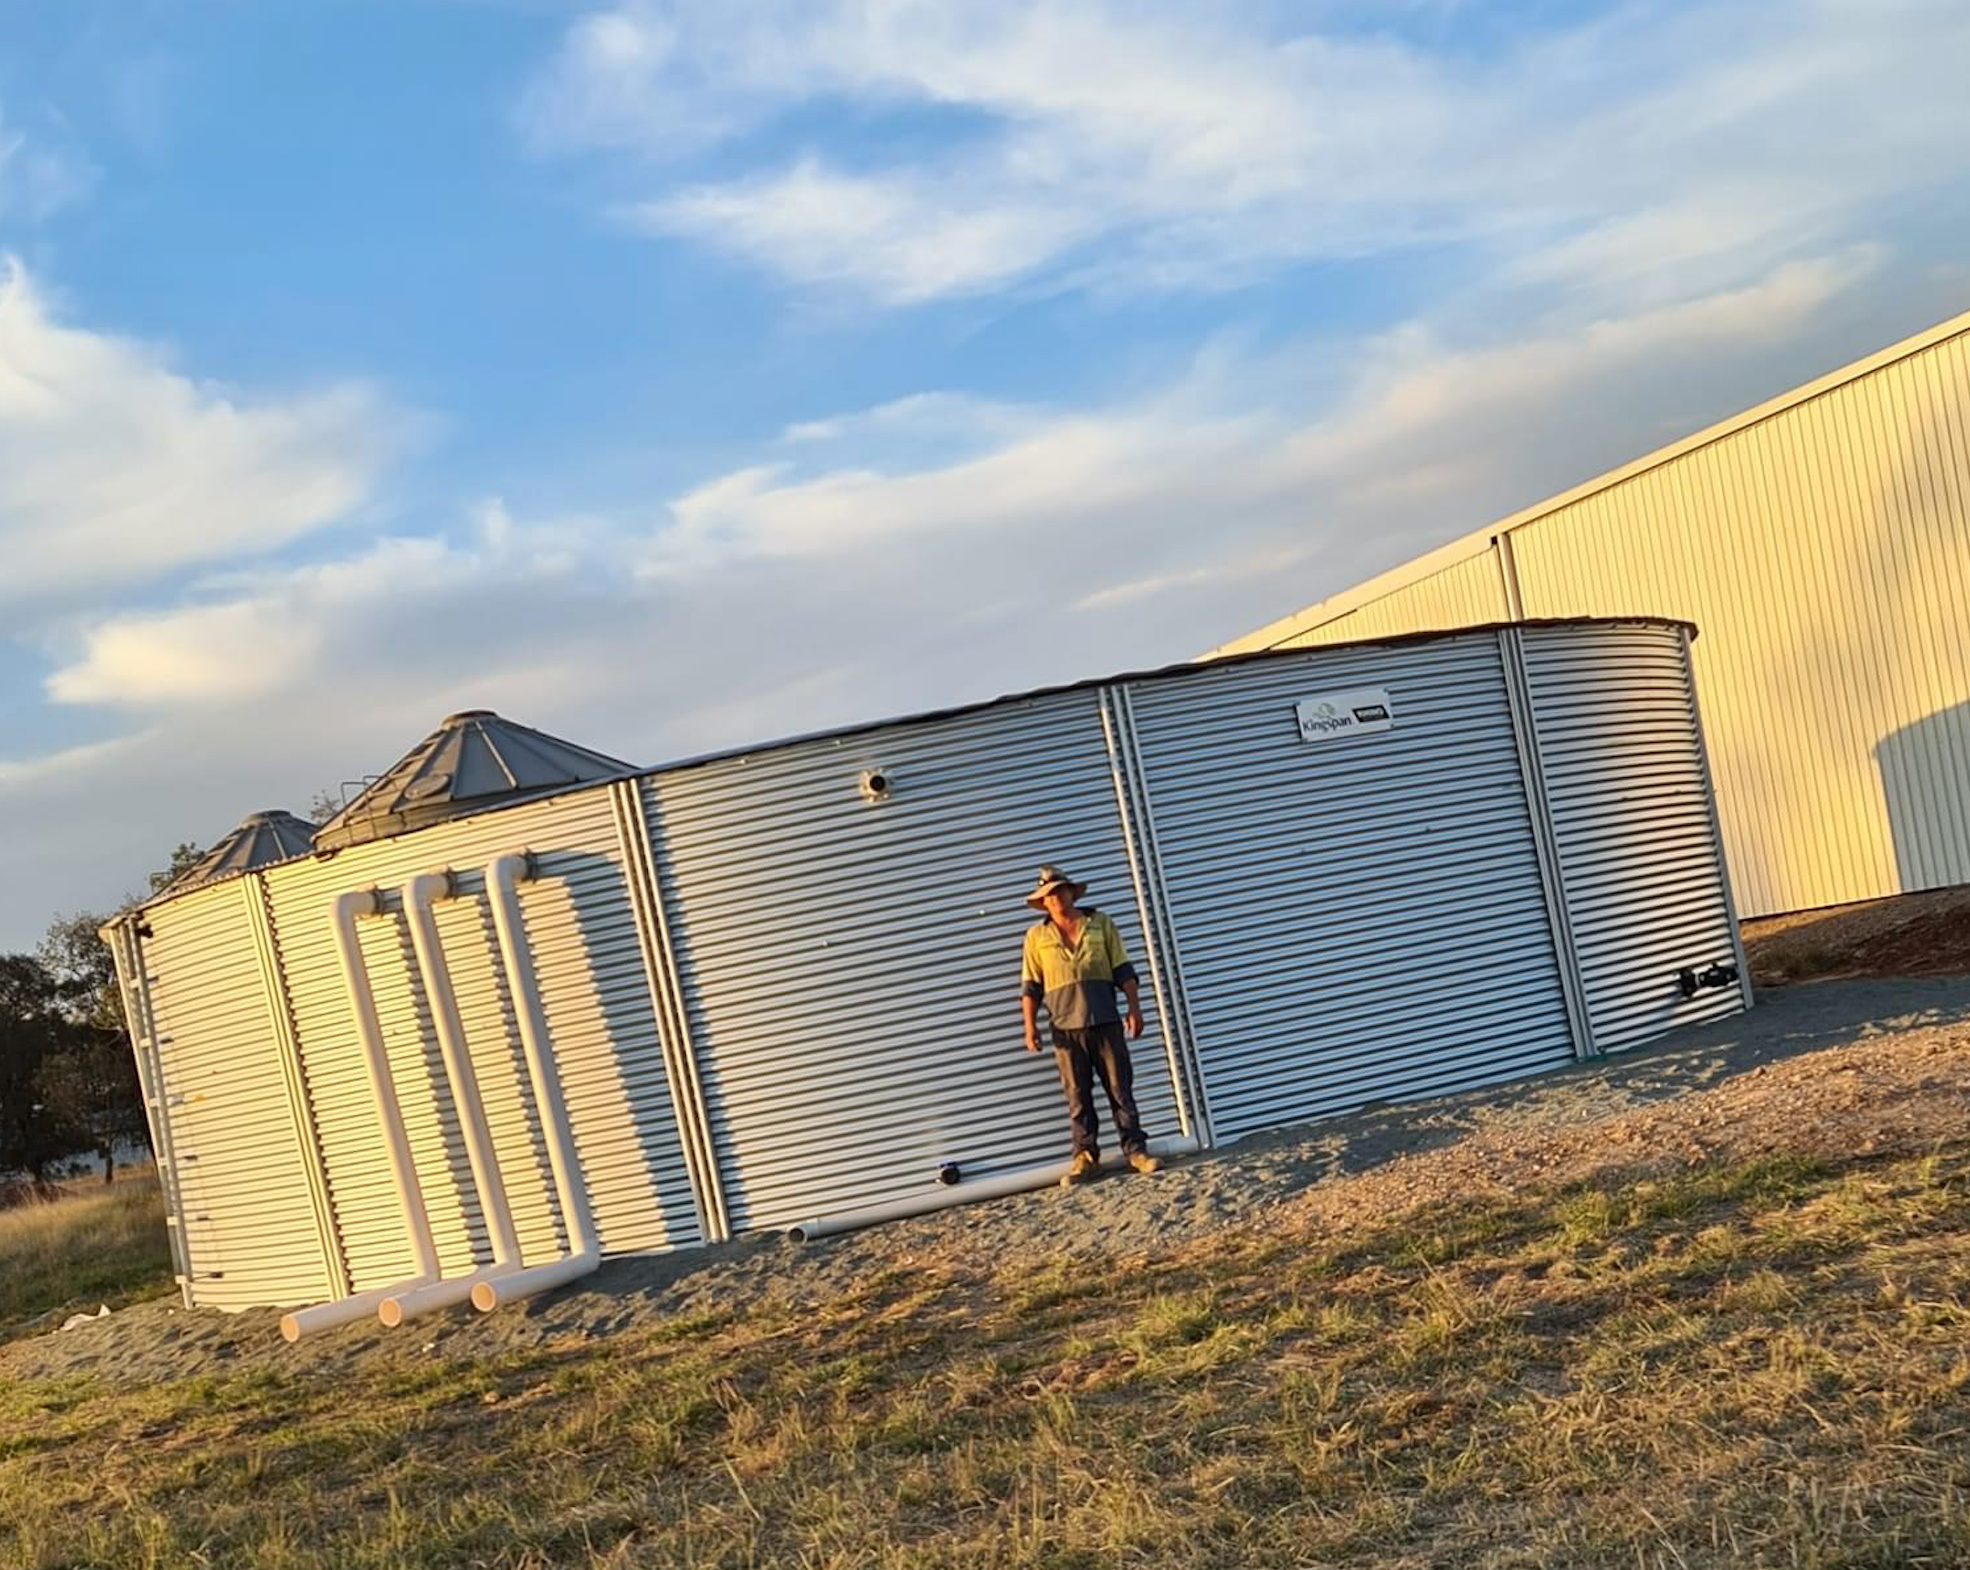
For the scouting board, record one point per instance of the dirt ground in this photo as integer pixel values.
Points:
(1911, 935)
(1835, 1069)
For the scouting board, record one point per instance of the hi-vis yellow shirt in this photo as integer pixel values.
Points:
(1076, 982)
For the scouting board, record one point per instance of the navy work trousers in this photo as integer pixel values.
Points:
(1081, 1055)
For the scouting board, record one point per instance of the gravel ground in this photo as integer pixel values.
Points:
(1833, 1068)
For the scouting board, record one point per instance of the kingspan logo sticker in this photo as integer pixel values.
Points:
(1345, 713)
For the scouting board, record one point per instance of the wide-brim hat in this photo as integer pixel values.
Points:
(1052, 878)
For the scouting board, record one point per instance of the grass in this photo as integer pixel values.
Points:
(97, 1244)
(1762, 1364)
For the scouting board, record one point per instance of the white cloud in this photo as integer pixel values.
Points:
(82, 760)
(1187, 500)
(933, 416)
(238, 650)
(1076, 141)
(114, 468)
(1426, 415)
(904, 238)
(825, 586)
(253, 635)
(39, 176)
(1085, 472)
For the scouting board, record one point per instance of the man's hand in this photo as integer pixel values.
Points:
(1032, 1041)
(1132, 1022)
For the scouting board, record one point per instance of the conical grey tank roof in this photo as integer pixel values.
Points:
(474, 761)
(261, 839)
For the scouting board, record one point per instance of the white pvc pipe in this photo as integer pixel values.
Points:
(495, 1291)
(503, 873)
(325, 1316)
(1020, 1182)
(396, 1307)
(383, 1092)
(396, 1304)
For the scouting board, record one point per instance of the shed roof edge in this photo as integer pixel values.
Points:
(1477, 541)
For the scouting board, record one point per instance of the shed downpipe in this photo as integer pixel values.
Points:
(503, 875)
(418, 895)
(383, 1091)
(1020, 1182)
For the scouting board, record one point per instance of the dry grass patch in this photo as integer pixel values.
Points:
(97, 1244)
(1759, 1364)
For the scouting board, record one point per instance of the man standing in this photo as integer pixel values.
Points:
(1073, 962)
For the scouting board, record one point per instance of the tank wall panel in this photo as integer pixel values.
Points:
(600, 1020)
(852, 970)
(249, 1223)
(1359, 918)
(1631, 814)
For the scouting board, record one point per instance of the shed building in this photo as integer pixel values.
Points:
(633, 1010)
(1822, 542)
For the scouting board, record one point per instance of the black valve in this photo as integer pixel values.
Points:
(1718, 973)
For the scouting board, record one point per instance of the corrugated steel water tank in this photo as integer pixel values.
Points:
(781, 983)
(1360, 917)
(849, 966)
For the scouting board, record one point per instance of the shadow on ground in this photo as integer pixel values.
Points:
(1111, 1220)
(1123, 1213)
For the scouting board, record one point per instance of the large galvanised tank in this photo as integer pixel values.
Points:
(521, 1006)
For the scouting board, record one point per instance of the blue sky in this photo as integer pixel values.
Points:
(670, 375)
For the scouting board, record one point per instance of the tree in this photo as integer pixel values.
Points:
(68, 1077)
(90, 1094)
(83, 969)
(184, 856)
(33, 1029)
(325, 804)
(90, 1087)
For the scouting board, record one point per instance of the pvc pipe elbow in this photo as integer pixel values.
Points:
(357, 902)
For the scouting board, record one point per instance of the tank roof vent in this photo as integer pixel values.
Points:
(260, 840)
(474, 761)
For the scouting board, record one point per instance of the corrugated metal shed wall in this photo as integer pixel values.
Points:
(1639, 857)
(247, 1211)
(1469, 593)
(599, 1016)
(1359, 918)
(851, 970)
(1825, 554)
(1823, 550)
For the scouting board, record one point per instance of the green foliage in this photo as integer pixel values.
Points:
(325, 804)
(83, 970)
(89, 1090)
(68, 1081)
(184, 856)
(33, 1029)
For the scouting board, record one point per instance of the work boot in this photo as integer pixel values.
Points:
(1144, 1162)
(1084, 1166)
